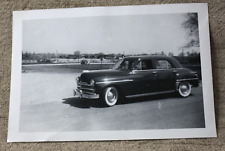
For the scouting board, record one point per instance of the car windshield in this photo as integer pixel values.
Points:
(125, 64)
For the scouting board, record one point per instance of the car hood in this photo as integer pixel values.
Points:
(99, 75)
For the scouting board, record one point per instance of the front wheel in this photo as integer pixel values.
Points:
(184, 89)
(110, 96)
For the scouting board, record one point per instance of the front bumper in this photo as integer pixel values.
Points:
(80, 94)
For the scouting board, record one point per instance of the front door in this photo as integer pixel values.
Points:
(145, 77)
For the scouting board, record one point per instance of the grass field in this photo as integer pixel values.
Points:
(64, 68)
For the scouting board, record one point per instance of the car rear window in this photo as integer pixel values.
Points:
(163, 64)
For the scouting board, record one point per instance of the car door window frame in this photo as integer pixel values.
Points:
(141, 68)
(168, 61)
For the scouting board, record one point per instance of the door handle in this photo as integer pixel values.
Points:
(154, 72)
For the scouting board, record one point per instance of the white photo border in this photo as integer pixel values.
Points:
(19, 16)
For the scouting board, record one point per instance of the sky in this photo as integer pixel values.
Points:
(133, 34)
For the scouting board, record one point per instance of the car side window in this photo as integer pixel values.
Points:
(138, 66)
(127, 64)
(144, 65)
(163, 64)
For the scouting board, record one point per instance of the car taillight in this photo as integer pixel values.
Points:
(196, 74)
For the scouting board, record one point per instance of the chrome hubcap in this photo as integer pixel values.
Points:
(111, 96)
(185, 89)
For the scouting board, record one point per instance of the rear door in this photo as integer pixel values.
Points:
(165, 75)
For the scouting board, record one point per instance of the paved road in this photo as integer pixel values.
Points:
(50, 108)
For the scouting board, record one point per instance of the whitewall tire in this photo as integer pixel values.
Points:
(184, 89)
(110, 96)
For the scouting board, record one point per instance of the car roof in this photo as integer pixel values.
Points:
(171, 59)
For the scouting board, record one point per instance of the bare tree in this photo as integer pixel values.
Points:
(191, 25)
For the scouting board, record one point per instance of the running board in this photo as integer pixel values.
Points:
(146, 94)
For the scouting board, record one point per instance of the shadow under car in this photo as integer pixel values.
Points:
(96, 103)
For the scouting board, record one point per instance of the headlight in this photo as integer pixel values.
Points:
(92, 83)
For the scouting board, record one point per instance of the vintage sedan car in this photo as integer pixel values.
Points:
(137, 76)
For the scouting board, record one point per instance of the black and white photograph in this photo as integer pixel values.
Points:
(111, 73)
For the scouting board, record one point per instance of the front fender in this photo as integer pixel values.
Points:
(119, 84)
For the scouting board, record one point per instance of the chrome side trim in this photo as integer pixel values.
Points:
(146, 94)
(157, 69)
(106, 82)
(186, 79)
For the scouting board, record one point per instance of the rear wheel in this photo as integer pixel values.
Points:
(110, 96)
(184, 89)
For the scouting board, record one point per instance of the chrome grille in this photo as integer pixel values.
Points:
(85, 87)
